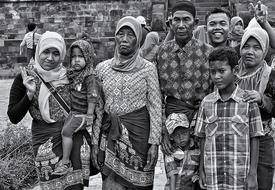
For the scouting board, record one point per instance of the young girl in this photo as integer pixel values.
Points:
(84, 95)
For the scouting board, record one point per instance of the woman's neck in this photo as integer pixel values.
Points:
(250, 70)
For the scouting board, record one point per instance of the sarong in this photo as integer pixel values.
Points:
(47, 147)
(127, 147)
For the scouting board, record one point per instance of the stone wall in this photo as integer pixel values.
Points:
(95, 17)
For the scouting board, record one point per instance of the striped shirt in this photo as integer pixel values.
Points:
(28, 39)
(227, 126)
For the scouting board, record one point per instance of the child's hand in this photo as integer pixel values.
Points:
(251, 182)
(89, 119)
(202, 180)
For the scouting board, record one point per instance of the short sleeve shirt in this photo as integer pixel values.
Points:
(227, 126)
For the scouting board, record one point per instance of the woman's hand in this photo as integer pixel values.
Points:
(152, 157)
(94, 153)
(252, 96)
(28, 82)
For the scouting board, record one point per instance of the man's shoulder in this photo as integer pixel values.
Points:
(202, 45)
(168, 44)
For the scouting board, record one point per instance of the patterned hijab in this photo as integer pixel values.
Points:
(77, 77)
(133, 62)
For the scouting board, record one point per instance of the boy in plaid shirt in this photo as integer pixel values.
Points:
(228, 127)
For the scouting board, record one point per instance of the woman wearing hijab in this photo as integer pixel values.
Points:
(29, 93)
(150, 47)
(258, 79)
(236, 31)
(132, 123)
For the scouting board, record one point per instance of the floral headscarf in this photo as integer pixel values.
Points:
(134, 62)
(77, 77)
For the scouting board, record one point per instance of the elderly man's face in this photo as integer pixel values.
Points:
(183, 24)
(126, 40)
(218, 28)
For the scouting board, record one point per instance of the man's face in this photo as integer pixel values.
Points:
(218, 28)
(183, 25)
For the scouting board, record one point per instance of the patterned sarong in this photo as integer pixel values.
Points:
(127, 147)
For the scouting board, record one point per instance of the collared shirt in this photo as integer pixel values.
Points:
(184, 72)
(227, 126)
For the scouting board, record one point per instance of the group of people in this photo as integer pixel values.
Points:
(208, 104)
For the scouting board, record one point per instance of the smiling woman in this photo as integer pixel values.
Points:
(29, 94)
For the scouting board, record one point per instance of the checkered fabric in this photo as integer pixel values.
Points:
(227, 126)
(184, 72)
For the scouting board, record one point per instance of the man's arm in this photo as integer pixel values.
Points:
(254, 155)
(201, 168)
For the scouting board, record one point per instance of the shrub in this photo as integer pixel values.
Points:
(17, 168)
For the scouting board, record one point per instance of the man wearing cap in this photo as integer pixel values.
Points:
(183, 68)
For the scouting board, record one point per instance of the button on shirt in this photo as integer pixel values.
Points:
(184, 72)
(227, 126)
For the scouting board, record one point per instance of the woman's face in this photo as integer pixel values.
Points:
(50, 58)
(126, 41)
(238, 27)
(252, 53)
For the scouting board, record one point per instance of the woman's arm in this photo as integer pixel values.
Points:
(19, 102)
(154, 105)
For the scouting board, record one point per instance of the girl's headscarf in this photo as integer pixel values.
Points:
(133, 62)
(77, 77)
(233, 35)
(151, 41)
(56, 76)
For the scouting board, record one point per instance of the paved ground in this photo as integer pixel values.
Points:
(159, 182)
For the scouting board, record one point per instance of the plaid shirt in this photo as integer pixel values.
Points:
(184, 72)
(227, 126)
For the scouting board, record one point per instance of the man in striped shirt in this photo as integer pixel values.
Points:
(228, 127)
(28, 40)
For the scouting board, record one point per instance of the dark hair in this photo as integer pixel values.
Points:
(218, 10)
(224, 54)
(31, 26)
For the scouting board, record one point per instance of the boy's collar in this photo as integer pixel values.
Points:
(235, 95)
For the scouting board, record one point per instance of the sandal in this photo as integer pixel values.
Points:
(62, 168)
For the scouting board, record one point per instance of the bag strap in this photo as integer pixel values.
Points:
(53, 91)
(33, 45)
